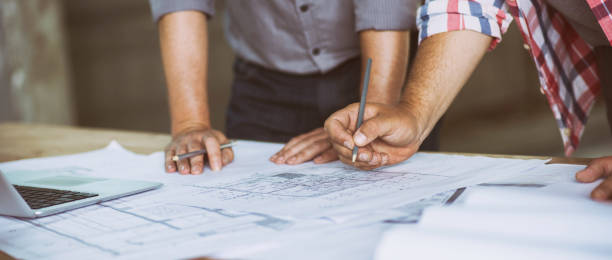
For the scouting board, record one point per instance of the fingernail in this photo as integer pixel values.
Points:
(216, 167)
(195, 170)
(348, 144)
(273, 157)
(317, 159)
(280, 159)
(385, 159)
(360, 139)
(363, 157)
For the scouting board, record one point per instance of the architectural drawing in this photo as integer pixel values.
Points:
(252, 208)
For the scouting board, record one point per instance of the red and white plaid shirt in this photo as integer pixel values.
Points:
(566, 63)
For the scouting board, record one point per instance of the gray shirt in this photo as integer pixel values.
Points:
(299, 36)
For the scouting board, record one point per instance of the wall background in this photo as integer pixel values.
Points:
(97, 64)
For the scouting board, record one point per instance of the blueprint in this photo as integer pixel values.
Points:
(250, 209)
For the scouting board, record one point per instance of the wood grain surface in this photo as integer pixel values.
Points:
(21, 141)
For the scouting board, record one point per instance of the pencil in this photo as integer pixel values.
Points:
(364, 93)
(179, 157)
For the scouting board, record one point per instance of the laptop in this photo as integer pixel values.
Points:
(35, 194)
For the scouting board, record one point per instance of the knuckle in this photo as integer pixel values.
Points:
(594, 162)
(209, 138)
(301, 156)
(323, 145)
(292, 150)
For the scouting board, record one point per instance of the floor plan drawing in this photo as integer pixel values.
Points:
(251, 208)
(124, 226)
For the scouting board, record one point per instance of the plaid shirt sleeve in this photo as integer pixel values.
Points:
(602, 9)
(485, 16)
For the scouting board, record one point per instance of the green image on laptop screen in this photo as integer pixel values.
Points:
(65, 181)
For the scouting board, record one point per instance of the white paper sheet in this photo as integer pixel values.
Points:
(559, 221)
(251, 208)
(414, 243)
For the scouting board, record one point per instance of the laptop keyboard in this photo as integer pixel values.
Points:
(38, 198)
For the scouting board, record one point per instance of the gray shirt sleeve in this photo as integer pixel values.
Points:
(161, 7)
(385, 14)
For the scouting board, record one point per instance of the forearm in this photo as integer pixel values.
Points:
(389, 51)
(184, 48)
(443, 64)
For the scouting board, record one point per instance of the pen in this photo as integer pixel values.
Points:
(364, 93)
(198, 152)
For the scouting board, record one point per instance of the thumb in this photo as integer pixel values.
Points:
(370, 130)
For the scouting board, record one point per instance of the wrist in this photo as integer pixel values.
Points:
(381, 99)
(415, 116)
(188, 126)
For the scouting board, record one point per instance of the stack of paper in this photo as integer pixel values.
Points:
(555, 222)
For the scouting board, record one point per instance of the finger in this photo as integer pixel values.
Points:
(358, 164)
(364, 155)
(384, 159)
(290, 154)
(370, 130)
(281, 156)
(196, 163)
(183, 165)
(338, 131)
(369, 159)
(310, 152)
(329, 155)
(341, 150)
(596, 169)
(603, 191)
(345, 160)
(170, 165)
(228, 156)
(214, 153)
(375, 160)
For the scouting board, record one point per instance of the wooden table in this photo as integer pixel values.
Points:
(22, 141)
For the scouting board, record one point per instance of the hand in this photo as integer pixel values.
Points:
(190, 140)
(598, 168)
(313, 145)
(389, 134)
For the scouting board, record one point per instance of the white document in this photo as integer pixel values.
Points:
(251, 209)
(559, 221)
(414, 243)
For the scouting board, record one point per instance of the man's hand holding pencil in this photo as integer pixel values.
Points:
(204, 144)
(379, 139)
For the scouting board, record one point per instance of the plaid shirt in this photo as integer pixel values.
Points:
(566, 63)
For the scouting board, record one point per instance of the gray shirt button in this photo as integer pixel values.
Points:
(316, 51)
(304, 8)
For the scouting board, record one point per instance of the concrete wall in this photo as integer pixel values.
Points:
(118, 82)
(34, 71)
(116, 63)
